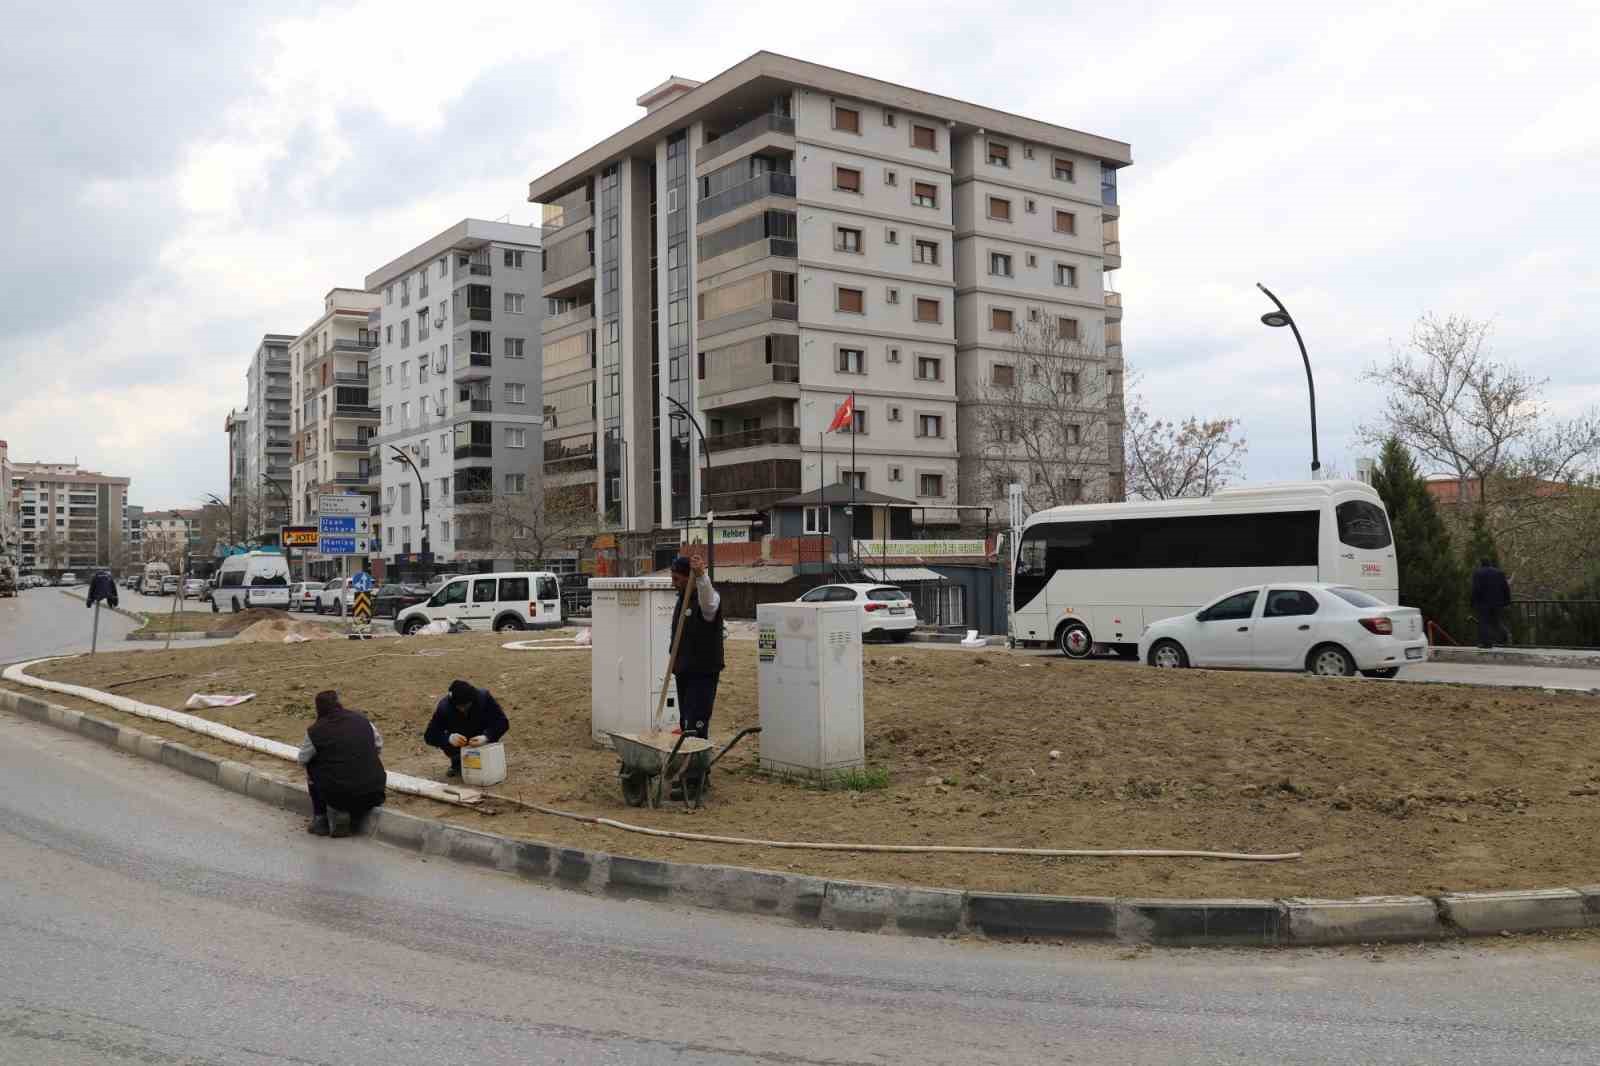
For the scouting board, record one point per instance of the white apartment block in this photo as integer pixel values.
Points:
(457, 380)
(759, 247)
(268, 439)
(10, 499)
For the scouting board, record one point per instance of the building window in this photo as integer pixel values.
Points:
(1033, 314)
(925, 252)
(891, 236)
(1030, 205)
(817, 520)
(852, 301)
(1063, 169)
(894, 473)
(1003, 375)
(1074, 434)
(388, 294)
(514, 303)
(1066, 221)
(929, 368)
(856, 479)
(846, 239)
(925, 137)
(1000, 264)
(928, 310)
(1001, 319)
(893, 355)
(890, 178)
(1069, 379)
(405, 371)
(513, 259)
(516, 392)
(999, 154)
(514, 347)
(1067, 275)
(924, 194)
(388, 375)
(894, 412)
(852, 361)
(388, 415)
(1067, 329)
(516, 437)
(858, 421)
(847, 179)
(444, 266)
(405, 414)
(444, 529)
(388, 334)
(422, 371)
(516, 482)
(846, 119)
(930, 485)
(999, 209)
(930, 425)
(405, 334)
(891, 296)
(1033, 260)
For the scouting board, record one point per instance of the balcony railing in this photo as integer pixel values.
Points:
(352, 410)
(279, 445)
(345, 344)
(771, 184)
(744, 134)
(474, 451)
(559, 217)
(480, 314)
(277, 416)
(1113, 299)
(278, 366)
(754, 438)
(344, 377)
(482, 405)
(575, 465)
(480, 269)
(349, 478)
(471, 497)
(566, 318)
(351, 444)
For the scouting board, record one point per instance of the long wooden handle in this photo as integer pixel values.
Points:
(672, 659)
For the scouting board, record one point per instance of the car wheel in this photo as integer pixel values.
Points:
(1074, 641)
(412, 626)
(508, 622)
(1169, 655)
(1385, 673)
(902, 635)
(1330, 660)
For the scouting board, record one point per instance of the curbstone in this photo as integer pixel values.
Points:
(862, 907)
(397, 828)
(574, 867)
(1518, 911)
(1199, 922)
(128, 740)
(1366, 918)
(470, 846)
(1591, 903)
(531, 860)
(264, 787)
(99, 730)
(735, 888)
(62, 718)
(639, 878)
(150, 747)
(1011, 914)
(234, 776)
(194, 763)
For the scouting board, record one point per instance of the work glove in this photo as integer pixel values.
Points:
(480, 739)
(457, 740)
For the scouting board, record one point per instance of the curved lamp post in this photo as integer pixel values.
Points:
(288, 516)
(1280, 318)
(422, 499)
(684, 412)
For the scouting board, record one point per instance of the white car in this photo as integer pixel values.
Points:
(1334, 630)
(303, 595)
(885, 610)
(517, 599)
(336, 597)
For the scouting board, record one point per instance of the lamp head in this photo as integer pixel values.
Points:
(1275, 318)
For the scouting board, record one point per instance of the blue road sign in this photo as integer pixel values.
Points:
(338, 546)
(362, 582)
(337, 523)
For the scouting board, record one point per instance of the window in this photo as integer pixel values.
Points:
(1030, 205)
(444, 267)
(452, 594)
(405, 371)
(1072, 489)
(891, 236)
(999, 154)
(1357, 598)
(846, 119)
(1072, 434)
(1003, 374)
(999, 209)
(516, 482)
(1362, 525)
(1063, 169)
(925, 252)
(388, 334)
(514, 347)
(1000, 319)
(929, 368)
(930, 425)
(894, 412)
(891, 295)
(405, 499)
(1000, 264)
(388, 375)
(422, 371)
(890, 178)
(847, 179)
(513, 259)
(858, 421)
(1234, 608)
(894, 473)
(405, 414)
(388, 294)
(817, 519)
(405, 333)
(1067, 275)
(852, 361)
(1033, 314)
(514, 589)
(925, 137)
(514, 302)
(846, 239)
(893, 355)
(516, 437)
(1289, 603)
(928, 310)
(388, 415)
(1066, 221)
(1067, 329)
(852, 301)
(924, 194)
(856, 479)
(888, 118)
(444, 526)
(516, 392)
(1033, 260)
(930, 485)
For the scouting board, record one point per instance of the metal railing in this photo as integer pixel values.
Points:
(480, 269)
(350, 444)
(345, 344)
(744, 134)
(1552, 623)
(752, 438)
(474, 451)
(482, 405)
(748, 192)
(344, 377)
(352, 410)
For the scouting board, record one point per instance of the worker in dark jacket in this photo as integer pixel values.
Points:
(1491, 595)
(101, 587)
(466, 715)
(344, 774)
(699, 665)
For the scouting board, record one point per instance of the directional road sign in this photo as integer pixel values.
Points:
(344, 523)
(343, 545)
(330, 503)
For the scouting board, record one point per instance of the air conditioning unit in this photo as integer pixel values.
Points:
(438, 322)
(415, 449)
(439, 413)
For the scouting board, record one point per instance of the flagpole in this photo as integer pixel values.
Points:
(852, 530)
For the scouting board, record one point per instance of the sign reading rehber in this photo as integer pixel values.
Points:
(297, 536)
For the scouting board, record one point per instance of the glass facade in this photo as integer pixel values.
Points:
(610, 194)
(679, 370)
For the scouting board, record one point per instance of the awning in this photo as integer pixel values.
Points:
(894, 574)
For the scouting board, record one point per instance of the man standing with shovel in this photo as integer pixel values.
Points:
(697, 625)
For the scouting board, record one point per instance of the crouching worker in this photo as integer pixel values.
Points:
(344, 774)
(466, 715)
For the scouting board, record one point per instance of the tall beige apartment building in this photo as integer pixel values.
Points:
(761, 246)
(68, 518)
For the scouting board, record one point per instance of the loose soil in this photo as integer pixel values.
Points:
(1386, 787)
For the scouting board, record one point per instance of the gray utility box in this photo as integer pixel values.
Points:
(811, 687)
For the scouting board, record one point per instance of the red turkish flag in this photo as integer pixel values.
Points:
(845, 415)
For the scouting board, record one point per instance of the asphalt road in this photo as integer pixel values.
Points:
(40, 622)
(146, 917)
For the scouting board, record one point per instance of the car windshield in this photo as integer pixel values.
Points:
(887, 594)
(1356, 598)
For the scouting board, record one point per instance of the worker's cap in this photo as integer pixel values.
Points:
(462, 694)
(680, 565)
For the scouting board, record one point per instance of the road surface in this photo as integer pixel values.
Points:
(146, 917)
(43, 621)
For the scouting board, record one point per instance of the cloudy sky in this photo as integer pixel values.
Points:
(181, 177)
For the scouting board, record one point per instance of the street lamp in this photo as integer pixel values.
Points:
(288, 516)
(422, 495)
(705, 449)
(1278, 319)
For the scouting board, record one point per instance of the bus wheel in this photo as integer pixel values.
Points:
(1074, 641)
(1169, 655)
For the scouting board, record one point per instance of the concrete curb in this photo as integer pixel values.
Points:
(1514, 657)
(185, 635)
(906, 909)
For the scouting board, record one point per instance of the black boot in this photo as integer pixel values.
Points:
(454, 771)
(338, 822)
(318, 826)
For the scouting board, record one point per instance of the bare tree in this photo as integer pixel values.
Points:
(526, 527)
(1043, 421)
(1168, 459)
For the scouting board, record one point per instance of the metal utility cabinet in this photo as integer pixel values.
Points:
(632, 634)
(811, 687)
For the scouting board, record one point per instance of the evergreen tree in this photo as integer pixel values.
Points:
(1432, 578)
(1480, 542)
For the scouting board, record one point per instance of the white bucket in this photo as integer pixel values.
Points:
(483, 766)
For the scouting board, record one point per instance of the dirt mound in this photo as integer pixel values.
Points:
(273, 628)
(229, 624)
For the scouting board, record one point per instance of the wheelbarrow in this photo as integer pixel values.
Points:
(650, 760)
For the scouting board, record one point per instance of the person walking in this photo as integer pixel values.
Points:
(466, 715)
(1491, 595)
(700, 660)
(344, 772)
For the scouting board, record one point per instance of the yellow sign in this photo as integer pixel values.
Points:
(298, 536)
(363, 608)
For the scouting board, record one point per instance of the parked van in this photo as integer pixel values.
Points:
(150, 585)
(522, 599)
(254, 579)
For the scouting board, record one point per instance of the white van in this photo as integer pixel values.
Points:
(254, 579)
(522, 599)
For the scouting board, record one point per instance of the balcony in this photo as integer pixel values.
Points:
(1113, 255)
(279, 445)
(362, 344)
(475, 451)
(577, 464)
(276, 392)
(760, 248)
(766, 311)
(577, 314)
(277, 366)
(567, 263)
(348, 478)
(348, 378)
(276, 472)
(472, 497)
(558, 216)
(771, 184)
(276, 418)
(751, 486)
(474, 367)
(358, 412)
(480, 270)
(357, 445)
(744, 134)
(482, 405)
(754, 438)
(1113, 306)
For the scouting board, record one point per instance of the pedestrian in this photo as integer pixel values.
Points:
(1491, 595)
(344, 772)
(699, 664)
(466, 715)
(101, 587)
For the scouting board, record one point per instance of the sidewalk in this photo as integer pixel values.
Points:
(1571, 658)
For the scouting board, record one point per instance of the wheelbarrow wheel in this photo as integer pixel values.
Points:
(635, 789)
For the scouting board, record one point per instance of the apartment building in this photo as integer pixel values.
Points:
(762, 246)
(332, 416)
(68, 518)
(459, 340)
(269, 440)
(133, 534)
(236, 426)
(9, 502)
